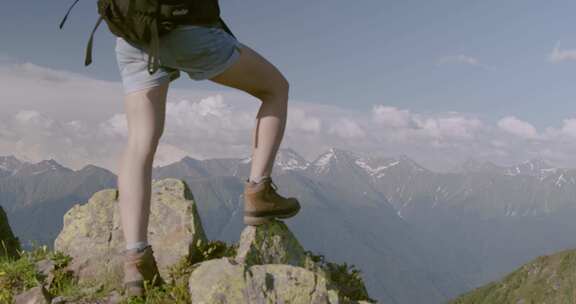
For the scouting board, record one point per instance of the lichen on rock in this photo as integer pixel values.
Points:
(224, 281)
(93, 236)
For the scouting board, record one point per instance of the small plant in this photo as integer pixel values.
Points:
(63, 283)
(217, 249)
(10, 247)
(19, 274)
(346, 278)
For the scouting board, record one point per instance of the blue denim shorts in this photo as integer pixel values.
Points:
(200, 51)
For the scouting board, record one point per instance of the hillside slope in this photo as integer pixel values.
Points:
(546, 279)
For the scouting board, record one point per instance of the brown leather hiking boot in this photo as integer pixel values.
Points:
(140, 266)
(262, 202)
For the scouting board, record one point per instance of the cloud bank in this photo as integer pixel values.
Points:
(78, 120)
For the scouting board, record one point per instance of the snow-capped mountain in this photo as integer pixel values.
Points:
(45, 166)
(407, 227)
(13, 166)
(10, 163)
(288, 159)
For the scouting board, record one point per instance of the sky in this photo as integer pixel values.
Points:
(440, 81)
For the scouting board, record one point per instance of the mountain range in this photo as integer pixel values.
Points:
(418, 236)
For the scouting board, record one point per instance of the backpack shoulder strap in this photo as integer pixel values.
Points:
(67, 13)
(225, 27)
(88, 59)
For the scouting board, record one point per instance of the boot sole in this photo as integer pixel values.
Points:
(259, 220)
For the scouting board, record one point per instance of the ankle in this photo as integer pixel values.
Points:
(258, 179)
(136, 246)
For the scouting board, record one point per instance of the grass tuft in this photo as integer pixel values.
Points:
(346, 278)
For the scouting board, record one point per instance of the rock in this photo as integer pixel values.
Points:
(114, 297)
(59, 300)
(279, 283)
(92, 232)
(270, 267)
(46, 269)
(45, 266)
(9, 244)
(225, 281)
(270, 243)
(35, 295)
(216, 280)
(273, 243)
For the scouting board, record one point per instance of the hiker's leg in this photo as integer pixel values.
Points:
(253, 74)
(145, 111)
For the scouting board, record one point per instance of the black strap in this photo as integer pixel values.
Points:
(154, 53)
(88, 59)
(225, 27)
(67, 13)
(130, 11)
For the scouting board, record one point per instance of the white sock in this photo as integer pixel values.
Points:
(139, 245)
(258, 179)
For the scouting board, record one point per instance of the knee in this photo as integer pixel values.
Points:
(278, 91)
(143, 148)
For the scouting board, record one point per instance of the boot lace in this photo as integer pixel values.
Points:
(272, 188)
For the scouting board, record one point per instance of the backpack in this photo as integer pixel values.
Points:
(143, 22)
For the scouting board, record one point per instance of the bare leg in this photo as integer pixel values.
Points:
(253, 74)
(145, 111)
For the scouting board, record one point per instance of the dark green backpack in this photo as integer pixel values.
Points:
(142, 22)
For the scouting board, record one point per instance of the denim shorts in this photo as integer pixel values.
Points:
(200, 51)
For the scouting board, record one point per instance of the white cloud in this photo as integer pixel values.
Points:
(115, 126)
(462, 59)
(559, 55)
(454, 127)
(569, 127)
(518, 127)
(459, 59)
(299, 119)
(33, 118)
(440, 126)
(392, 117)
(346, 128)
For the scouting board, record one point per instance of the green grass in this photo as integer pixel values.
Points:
(346, 278)
(19, 273)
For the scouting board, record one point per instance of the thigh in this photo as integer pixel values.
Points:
(252, 73)
(145, 113)
(132, 63)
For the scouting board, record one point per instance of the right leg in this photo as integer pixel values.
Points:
(253, 74)
(256, 76)
(145, 111)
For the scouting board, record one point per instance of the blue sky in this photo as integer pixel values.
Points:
(354, 55)
(441, 81)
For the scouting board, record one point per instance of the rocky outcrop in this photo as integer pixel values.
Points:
(9, 244)
(272, 243)
(93, 236)
(224, 281)
(270, 267)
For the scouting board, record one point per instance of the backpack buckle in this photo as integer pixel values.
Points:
(167, 26)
